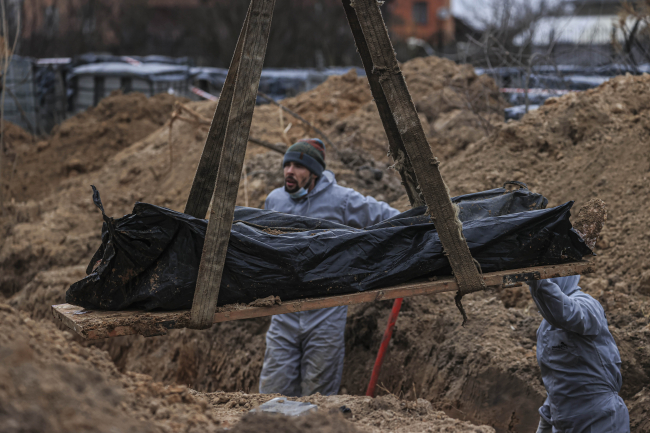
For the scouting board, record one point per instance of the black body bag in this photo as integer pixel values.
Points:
(150, 258)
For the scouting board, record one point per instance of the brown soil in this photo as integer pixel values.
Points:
(372, 415)
(51, 383)
(316, 422)
(83, 143)
(578, 147)
(269, 301)
(639, 407)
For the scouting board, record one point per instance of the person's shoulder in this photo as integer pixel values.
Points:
(276, 195)
(278, 192)
(342, 189)
(350, 193)
(582, 295)
(587, 298)
(344, 193)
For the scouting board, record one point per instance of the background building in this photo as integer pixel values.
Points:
(429, 20)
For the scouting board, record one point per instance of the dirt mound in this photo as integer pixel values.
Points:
(84, 142)
(639, 407)
(579, 147)
(51, 383)
(15, 141)
(395, 414)
(460, 106)
(456, 108)
(316, 422)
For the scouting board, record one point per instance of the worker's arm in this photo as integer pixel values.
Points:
(361, 211)
(579, 313)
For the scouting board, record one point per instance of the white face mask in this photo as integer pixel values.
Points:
(298, 194)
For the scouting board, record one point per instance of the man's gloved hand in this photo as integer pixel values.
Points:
(533, 284)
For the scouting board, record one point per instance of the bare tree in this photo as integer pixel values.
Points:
(8, 46)
(66, 27)
(507, 32)
(634, 27)
(304, 33)
(508, 39)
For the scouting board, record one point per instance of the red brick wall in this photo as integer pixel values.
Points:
(402, 24)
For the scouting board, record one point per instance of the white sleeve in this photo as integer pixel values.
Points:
(363, 211)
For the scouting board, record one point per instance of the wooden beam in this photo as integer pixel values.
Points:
(94, 325)
(396, 147)
(226, 186)
(387, 72)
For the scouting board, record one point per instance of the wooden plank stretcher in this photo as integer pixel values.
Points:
(94, 325)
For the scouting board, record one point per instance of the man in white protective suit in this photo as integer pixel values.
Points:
(305, 350)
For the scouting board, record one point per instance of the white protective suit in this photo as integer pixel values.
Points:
(305, 350)
(580, 363)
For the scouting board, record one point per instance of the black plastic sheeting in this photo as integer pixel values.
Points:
(149, 259)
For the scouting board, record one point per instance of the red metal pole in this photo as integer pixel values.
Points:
(370, 392)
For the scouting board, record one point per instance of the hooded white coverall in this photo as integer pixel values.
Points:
(580, 363)
(305, 350)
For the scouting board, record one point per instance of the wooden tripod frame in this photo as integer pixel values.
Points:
(217, 180)
(217, 177)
